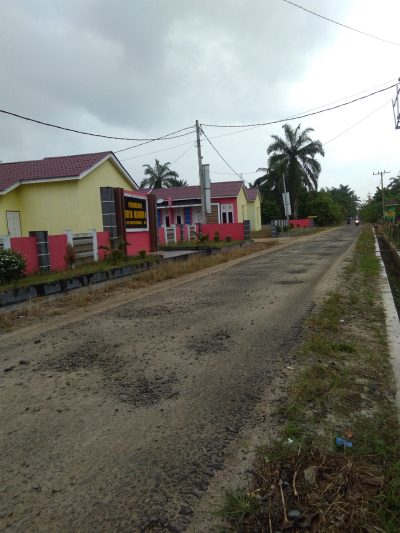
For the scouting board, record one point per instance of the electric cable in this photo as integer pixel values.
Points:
(224, 160)
(357, 123)
(300, 116)
(340, 24)
(185, 152)
(96, 134)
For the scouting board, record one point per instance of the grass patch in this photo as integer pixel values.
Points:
(264, 233)
(340, 386)
(39, 310)
(80, 270)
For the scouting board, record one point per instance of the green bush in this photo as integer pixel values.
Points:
(285, 229)
(217, 236)
(298, 225)
(71, 256)
(12, 265)
(291, 226)
(278, 229)
(228, 238)
(142, 253)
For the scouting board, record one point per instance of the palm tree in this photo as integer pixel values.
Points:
(175, 182)
(294, 158)
(157, 176)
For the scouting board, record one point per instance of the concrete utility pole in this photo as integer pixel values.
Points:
(202, 191)
(383, 197)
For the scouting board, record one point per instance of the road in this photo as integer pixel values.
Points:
(133, 415)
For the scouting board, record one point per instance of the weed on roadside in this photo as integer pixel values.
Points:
(335, 467)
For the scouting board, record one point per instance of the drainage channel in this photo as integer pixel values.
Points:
(392, 272)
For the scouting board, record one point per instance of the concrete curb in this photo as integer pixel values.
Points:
(392, 325)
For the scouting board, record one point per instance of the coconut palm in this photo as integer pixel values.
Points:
(294, 158)
(157, 175)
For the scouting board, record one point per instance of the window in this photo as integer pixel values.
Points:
(227, 213)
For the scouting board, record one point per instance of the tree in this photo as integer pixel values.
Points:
(270, 210)
(319, 204)
(157, 175)
(295, 158)
(371, 211)
(346, 198)
(175, 182)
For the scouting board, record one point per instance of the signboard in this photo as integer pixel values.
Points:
(390, 213)
(136, 212)
(286, 204)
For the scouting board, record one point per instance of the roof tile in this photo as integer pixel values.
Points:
(218, 190)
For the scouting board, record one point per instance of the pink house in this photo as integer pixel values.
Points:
(182, 205)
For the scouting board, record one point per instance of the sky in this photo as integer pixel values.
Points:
(143, 69)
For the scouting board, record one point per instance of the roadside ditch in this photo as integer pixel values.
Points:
(335, 465)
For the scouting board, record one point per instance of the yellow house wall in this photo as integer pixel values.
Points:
(242, 206)
(8, 202)
(59, 205)
(254, 214)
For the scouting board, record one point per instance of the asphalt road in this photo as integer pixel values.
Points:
(133, 416)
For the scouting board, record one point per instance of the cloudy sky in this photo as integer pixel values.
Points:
(142, 69)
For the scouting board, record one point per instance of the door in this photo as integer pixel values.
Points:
(14, 224)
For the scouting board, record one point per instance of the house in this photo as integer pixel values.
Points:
(58, 193)
(254, 208)
(182, 205)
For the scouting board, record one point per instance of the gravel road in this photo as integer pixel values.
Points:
(134, 415)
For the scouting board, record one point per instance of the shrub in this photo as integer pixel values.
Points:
(278, 229)
(71, 256)
(201, 238)
(217, 236)
(298, 225)
(291, 226)
(114, 252)
(142, 253)
(285, 229)
(228, 238)
(12, 265)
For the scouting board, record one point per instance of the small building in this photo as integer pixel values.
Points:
(254, 208)
(58, 193)
(182, 205)
(390, 210)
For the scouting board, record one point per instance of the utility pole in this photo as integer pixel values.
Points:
(202, 192)
(383, 196)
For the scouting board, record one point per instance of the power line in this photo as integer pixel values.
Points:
(96, 134)
(340, 24)
(224, 160)
(356, 124)
(185, 152)
(300, 116)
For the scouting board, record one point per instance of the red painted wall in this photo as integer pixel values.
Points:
(235, 230)
(178, 234)
(161, 236)
(228, 201)
(58, 249)
(303, 222)
(139, 240)
(28, 247)
(103, 239)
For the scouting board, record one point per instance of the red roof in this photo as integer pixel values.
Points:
(252, 194)
(218, 190)
(392, 202)
(48, 168)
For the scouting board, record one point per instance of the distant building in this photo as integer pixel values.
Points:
(229, 204)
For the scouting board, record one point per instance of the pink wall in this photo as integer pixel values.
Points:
(161, 236)
(233, 201)
(139, 240)
(178, 234)
(103, 239)
(235, 230)
(303, 222)
(28, 247)
(58, 249)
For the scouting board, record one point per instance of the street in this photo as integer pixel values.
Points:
(131, 416)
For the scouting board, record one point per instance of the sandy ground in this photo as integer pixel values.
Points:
(134, 415)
